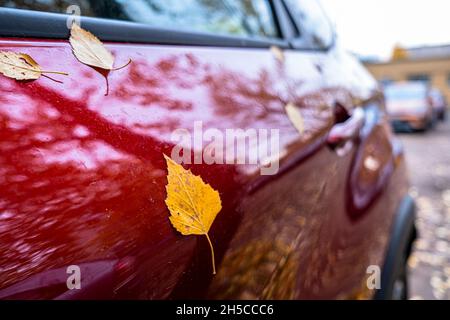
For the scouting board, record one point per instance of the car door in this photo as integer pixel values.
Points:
(324, 220)
(84, 177)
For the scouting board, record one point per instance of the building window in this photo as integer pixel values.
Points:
(419, 77)
(386, 81)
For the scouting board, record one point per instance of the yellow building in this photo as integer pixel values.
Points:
(430, 64)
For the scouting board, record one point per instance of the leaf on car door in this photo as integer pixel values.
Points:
(278, 53)
(295, 116)
(21, 66)
(88, 49)
(193, 204)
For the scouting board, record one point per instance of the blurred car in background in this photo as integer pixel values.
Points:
(439, 103)
(409, 106)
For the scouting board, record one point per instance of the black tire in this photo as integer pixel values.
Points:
(399, 289)
(394, 275)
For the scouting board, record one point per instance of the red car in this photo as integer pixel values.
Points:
(83, 175)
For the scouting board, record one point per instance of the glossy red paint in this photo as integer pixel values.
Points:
(82, 176)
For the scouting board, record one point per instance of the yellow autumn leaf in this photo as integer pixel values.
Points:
(193, 204)
(88, 49)
(295, 116)
(21, 66)
(278, 53)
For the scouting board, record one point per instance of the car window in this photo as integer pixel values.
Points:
(419, 77)
(315, 28)
(228, 17)
(405, 92)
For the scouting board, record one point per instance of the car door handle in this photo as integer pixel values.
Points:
(348, 130)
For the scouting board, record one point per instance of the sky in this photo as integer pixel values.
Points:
(374, 27)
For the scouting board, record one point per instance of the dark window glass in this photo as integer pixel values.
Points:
(419, 77)
(229, 17)
(314, 26)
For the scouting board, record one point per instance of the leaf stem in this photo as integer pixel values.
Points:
(52, 78)
(107, 86)
(212, 253)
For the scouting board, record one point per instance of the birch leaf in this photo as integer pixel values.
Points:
(21, 66)
(278, 53)
(88, 49)
(193, 204)
(295, 116)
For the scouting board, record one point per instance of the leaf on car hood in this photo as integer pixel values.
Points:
(88, 49)
(21, 66)
(193, 204)
(295, 116)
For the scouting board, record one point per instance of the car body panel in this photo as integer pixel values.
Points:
(83, 175)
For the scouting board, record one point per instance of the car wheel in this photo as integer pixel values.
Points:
(400, 285)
